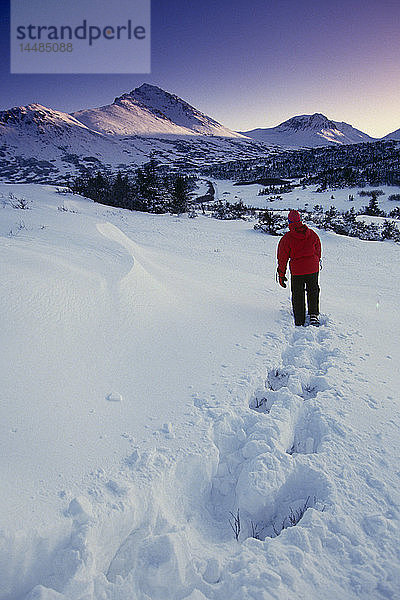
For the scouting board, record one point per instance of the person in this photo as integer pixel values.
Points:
(301, 246)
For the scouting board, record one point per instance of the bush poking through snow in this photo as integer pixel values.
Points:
(19, 203)
(270, 223)
(20, 227)
(293, 517)
(276, 379)
(234, 522)
(229, 211)
(256, 530)
(258, 402)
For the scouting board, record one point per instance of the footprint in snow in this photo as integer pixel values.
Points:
(114, 397)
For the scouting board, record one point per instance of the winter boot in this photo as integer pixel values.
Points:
(314, 320)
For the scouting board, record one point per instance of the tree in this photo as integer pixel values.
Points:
(150, 189)
(373, 208)
(180, 195)
(120, 190)
(270, 223)
(390, 231)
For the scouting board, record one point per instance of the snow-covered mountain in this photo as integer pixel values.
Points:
(395, 135)
(148, 110)
(309, 131)
(38, 143)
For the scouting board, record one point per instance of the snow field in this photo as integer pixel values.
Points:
(304, 199)
(222, 405)
(188, 502)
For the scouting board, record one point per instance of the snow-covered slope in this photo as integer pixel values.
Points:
(39, 119)
(395, 135)
(310, 131)
(38, 137)
(153, 385)
(40, 144)
(149, 110)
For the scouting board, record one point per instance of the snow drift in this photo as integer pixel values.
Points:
(155, 393)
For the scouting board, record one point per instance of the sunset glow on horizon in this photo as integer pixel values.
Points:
(251, 65)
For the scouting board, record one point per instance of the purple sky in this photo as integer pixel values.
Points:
(251, 64)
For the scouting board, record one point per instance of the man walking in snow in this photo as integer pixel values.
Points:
(301, 246)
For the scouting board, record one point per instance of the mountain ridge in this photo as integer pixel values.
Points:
(310, 131)
(149, 110)
(39, 143)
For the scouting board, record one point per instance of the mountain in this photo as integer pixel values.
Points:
(150, 111)
(395, 135)
(38, 144)
(309, 131)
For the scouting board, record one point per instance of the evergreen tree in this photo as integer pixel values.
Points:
(373, 208)
(180, 195)
(390, 231)
(120, 191)
(150, 189)
(270, 223)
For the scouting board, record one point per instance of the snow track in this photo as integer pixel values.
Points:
(262, 466)
(258, 477)
(183, 410)
(264, 476)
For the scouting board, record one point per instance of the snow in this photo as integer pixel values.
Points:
(305, 198)
(39, 144)
(153, 384)
(309, 131)
(43, 145)
(149, 110)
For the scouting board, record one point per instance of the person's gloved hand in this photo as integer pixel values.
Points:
(282, 280)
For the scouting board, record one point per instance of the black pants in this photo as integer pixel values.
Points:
(301, 283)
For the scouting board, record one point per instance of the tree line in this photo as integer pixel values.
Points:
(353, 165)
(149, 189)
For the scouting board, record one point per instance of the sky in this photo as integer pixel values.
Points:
(249, 64)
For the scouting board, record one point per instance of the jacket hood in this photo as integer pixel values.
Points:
(299, 230)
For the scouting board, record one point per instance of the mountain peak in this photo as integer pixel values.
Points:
(150, 86)
(37, 115)
(142, 90)
(150, 110)
(309, 131)
(315, 122)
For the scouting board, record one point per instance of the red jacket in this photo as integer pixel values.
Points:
(302, 247)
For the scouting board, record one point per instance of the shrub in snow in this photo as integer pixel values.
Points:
(270, 222)
(149, 189)
(394, 197)
(373, 208)
(229, 211)
(20, 203)
(390, 231)
(371, 193)
(293, 517)
(370, 231)
(20, 227)
(345, 223)
(234, 522)
(395, 213)
(256, 530)
(180, 192)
